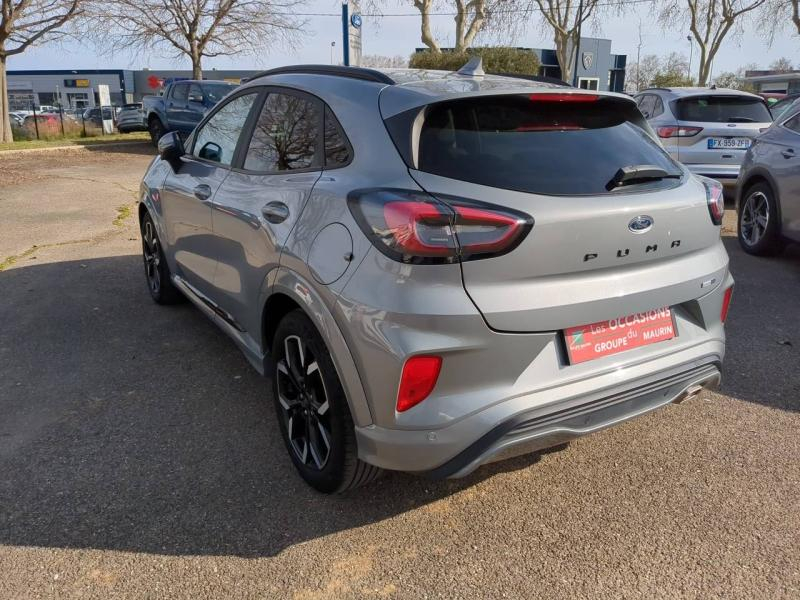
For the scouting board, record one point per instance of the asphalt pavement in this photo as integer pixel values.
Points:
(140, 456)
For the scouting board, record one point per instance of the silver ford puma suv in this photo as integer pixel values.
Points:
(437, 270)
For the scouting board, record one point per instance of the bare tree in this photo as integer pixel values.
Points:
(709, 21)
(24, 23)
(781, 65)
(566, 18)
(197, 28)
(642, 73)
(471, 18)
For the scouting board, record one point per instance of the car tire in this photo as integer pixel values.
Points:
(312, 410)
(156, 270)
(156, 129)
(759, 221)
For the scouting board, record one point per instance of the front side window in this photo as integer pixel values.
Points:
(793, 123)
(216, 140)
(286, 135)
(647, 105)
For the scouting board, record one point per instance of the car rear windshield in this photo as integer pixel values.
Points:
(132, 106)
(539, 145)
(722, 109)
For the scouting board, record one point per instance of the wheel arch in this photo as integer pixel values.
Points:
(755, 177)
(289, 291)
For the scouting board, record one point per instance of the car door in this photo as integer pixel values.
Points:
(261, 200)
(176, 106)
(195, 106)
(188, 193)
(785, 169)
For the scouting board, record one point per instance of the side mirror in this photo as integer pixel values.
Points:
(211, 151)
(170, 149)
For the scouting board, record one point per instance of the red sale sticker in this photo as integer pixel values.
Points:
(587, 342)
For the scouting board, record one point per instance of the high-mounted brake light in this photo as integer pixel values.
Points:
(715, 199)
(564, 97)
(726, 304)
(672, 132)
(417, 380)
(414, 227)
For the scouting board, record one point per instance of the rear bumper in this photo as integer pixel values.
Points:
(538, 429)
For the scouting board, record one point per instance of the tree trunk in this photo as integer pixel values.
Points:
(197, 70)
(565, 53)
(424, 7)
(5, 120)
(704, 68)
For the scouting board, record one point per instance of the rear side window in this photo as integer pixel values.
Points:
(722, 109)
(337, 150)
(540, 146)
(286, 135)
(180, 91)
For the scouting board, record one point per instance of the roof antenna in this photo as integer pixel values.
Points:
(473, 68)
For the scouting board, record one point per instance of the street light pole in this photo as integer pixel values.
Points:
(691, 49)
(578, 44)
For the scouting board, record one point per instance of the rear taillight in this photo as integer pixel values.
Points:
(715, 199)
(726, 304)
(674, 131)
(417, 380)
(415, 227)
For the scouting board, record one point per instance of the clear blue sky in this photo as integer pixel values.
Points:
(400, 35)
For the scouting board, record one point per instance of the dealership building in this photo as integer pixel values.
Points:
(597, 69)
(78, 88)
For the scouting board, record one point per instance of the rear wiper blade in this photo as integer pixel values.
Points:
(639, 174)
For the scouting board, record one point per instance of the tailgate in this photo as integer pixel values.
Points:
(581, 263)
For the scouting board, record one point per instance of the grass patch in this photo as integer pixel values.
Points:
(10, 260)
(139, 136)
(123, 212)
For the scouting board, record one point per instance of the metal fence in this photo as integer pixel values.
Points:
(43, 125)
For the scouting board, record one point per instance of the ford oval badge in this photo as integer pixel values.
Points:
(640, 224)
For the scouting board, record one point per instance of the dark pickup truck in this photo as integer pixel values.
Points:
(182, 105)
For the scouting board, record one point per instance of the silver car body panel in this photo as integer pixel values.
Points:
(775, 158)
(495, 322)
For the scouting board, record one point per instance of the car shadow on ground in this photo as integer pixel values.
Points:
(762, 357)
(131, 426)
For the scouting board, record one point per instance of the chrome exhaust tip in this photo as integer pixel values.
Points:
(691, 392)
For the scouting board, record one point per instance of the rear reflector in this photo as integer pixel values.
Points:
(578, 97)
(671, 132)
(418, 380)
(726, 304)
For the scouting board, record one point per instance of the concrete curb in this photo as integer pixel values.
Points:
(79, 147)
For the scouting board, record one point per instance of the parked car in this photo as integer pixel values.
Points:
(95, 116)
(706, 129)
(131, 118)
(768, 191)
(439, 270)
(182, 106)
(17, 119)
(779, 107)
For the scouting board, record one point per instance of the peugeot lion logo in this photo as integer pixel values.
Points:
(640, 224)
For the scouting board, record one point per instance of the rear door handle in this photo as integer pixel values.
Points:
(788, 153)
(275, 212)
(202, 192)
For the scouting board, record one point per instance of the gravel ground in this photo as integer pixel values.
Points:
(140, 456)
